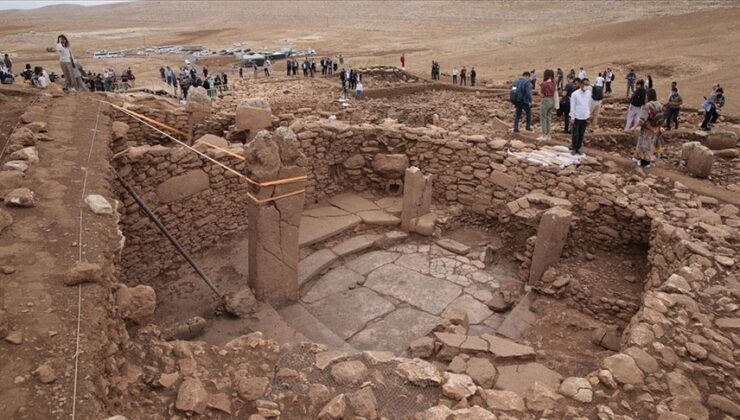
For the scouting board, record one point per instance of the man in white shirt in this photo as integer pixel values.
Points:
(580, 112)
(582, 74)
(600, 81)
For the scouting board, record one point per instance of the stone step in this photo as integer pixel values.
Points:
(314, 264)
(318, 228)
(518, 320)
(268, 321)
(309, 326)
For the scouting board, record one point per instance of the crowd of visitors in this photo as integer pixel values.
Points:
(578, 102)
(459, 76)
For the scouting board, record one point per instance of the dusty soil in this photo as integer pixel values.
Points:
(500, 39)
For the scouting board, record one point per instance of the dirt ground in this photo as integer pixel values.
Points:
(686, 41)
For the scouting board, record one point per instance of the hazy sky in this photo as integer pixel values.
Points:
(34, 4)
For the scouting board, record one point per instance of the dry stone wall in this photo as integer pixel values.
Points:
(198, 201)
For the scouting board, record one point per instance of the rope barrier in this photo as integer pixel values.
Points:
(235, 172)
(76, 356)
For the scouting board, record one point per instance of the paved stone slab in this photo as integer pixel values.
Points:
(302, 321)
(352, 203)
(392, 205)
(314, 264)
(453, 246)
(519, 378)
(378, 217)
(518, 320)
(370, 261)
(337, 280)
(347, 313)
(395, 331)
(316, 229)
(326, 211)
(416, 261)
(427, 293)
(356, 244)
(477, 311)
(505, 349)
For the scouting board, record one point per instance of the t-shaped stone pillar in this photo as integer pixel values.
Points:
(417, 197)
(551, 235)
(273, 226)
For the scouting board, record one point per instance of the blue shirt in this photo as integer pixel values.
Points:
(525, 87)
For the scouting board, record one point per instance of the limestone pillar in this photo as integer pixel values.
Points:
(417, 197)
(273, 226)
(551, 235)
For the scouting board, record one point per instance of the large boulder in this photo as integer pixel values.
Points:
(718, 140)
(390, 166)
(700, 160)
(253, 114)
(20, 197)
(29, 154)
(23, 137)
(136, 303)
(192, 396)
(199, 95)
(119, 130)
(183, 186)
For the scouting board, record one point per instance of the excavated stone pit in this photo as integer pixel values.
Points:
(533, 282)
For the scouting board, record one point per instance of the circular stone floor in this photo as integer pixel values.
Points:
(383, 300)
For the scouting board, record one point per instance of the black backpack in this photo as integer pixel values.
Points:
(597, 93)
(516, 96)
(656, 119)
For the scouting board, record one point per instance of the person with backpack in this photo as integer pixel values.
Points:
(597, 94)
(673, 107)
(550, 102)
(580, 112)
(521, 97)
(712, 106)
(649, 139)
(635, 109)
(608, 79)
(573, 85)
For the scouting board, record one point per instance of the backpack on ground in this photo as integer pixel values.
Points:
(516, 95)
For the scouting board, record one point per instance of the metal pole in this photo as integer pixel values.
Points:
(164, 231)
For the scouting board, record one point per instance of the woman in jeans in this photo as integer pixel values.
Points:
(68, 64)
(549, 92)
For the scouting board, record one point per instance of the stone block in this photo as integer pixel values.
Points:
(390, 166)
(417, 196)
(253, 114)
(183, 186)
(718, 140)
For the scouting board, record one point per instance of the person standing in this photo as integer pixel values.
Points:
(403, 60)
(712, 107)
(582, 74)
(572, 75)
(673, 107)
(550, 102)
(433, 68)
(560, 79)
(580, 112)
(68, 64)
(473, 75)
(533, 79)
(649, 81)
(454, 75)
(572, 85)
(608, 78)
(162, 72)
(463, 76)
(597, 94)
(648, 138)
(521, 97)
(636, 103)
(631, 77)
(359, 91)
(241, 72)
(267, 67)
(8, 63)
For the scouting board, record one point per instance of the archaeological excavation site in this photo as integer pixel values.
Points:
(261, 255)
